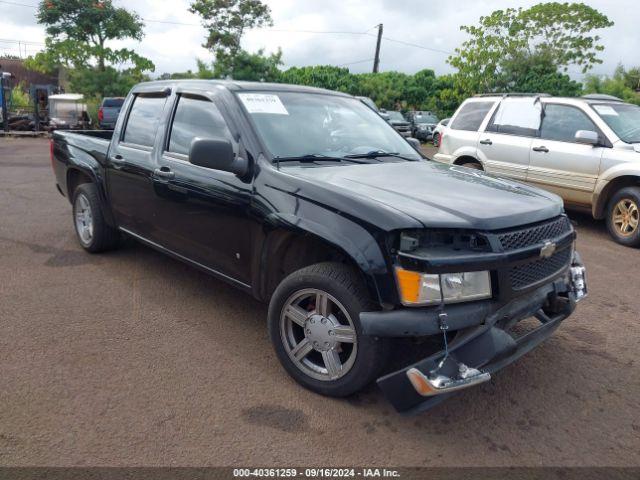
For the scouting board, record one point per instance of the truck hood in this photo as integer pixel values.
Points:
(437, 195)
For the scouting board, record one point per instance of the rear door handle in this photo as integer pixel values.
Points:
(540, 149)
(164, 172)
(117, 158)
(486, 142)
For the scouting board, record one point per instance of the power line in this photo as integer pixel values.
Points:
(417, 46)
(285, 30)
(353, 63)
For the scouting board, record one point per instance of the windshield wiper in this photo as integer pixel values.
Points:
(312, 157)
(379, 153)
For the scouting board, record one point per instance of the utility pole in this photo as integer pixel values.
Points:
(3, 102)
(376, 60)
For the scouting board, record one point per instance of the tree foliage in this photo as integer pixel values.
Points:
(226, 21)
(390, 90)
(78, 32)
(561, 33)
(624, 84)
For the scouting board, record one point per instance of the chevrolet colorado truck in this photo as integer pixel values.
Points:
(310, 201)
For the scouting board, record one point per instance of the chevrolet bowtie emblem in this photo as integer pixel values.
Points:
(548, 249)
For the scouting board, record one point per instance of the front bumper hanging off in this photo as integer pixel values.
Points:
(482, 346)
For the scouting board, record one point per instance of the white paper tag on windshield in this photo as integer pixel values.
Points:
(605, 110)
(263, 103)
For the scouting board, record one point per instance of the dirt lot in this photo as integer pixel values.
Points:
(131, 358)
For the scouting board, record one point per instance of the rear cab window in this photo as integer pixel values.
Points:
(143, 120)
(471, 115)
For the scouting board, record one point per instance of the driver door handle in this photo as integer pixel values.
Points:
(164, 172)
(541, 149)
(117, 158)
(486, 142)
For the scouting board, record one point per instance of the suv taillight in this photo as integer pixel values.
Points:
(100, 114)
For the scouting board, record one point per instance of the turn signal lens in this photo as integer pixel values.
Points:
(417, 288)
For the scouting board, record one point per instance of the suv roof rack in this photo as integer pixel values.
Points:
(513, 94)
(602, 96)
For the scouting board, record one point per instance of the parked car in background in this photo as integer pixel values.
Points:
(308, 200)
(68, 111)
(108, 112)
(587, 150)
(397, 121)
(372, 105)
(422, 124)
(437, 132)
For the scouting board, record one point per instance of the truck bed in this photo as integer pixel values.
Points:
(82, 151)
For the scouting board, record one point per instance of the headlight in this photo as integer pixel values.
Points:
(422, 127)
(424, 288)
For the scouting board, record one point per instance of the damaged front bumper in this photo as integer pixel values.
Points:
(482, 345)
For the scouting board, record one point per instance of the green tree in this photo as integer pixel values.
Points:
(226, 21)
(78, 32)
(561, 32)
(248, 66)
(535, 73)
(621, 84)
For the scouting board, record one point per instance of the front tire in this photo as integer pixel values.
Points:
(94, 234)
(623, 216)
(436, 139)
(315, 330)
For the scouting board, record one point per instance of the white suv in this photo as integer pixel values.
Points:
(587, 150)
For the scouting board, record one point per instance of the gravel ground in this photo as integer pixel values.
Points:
(131, 358)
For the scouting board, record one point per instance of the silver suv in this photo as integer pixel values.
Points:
(587, 150)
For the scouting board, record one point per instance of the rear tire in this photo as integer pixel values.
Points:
(623, 216)
(311, 311)
(94, 234)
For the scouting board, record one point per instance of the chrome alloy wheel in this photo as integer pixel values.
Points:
(625, 217)
(84, 219)
(318, 334)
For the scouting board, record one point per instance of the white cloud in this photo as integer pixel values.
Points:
(431, 24)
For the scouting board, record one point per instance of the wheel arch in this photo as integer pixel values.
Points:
(75, 178)
(467, 159)
(609, 189)
(286, 249)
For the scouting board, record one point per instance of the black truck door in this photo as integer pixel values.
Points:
(202, 213)
(131, 165)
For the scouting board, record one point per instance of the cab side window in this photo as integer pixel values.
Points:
(195, 117)
(518, 116)
(561, 122)
(143, 120)
(471, 115)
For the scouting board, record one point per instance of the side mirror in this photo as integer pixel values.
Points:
(587, 137)
(217, 154)
(414, 142)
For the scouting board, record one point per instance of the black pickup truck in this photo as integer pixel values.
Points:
(309, 200)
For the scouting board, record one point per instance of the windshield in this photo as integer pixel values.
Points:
(623, 118)
(426, 118)
(113, 102)
(396, 116)
(293, 124)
